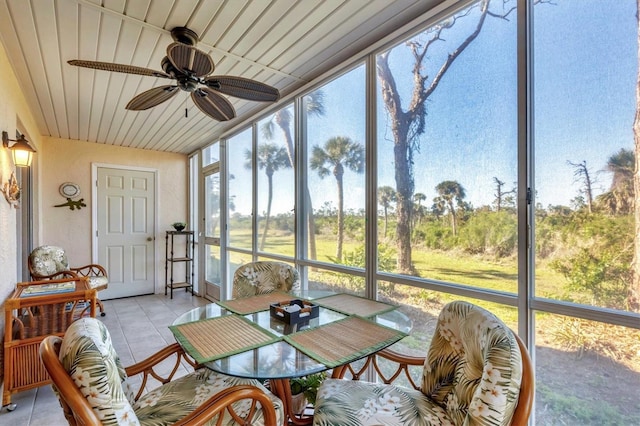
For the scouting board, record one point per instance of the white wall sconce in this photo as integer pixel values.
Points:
(21, 151)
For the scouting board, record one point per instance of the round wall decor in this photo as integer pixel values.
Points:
(69, 190)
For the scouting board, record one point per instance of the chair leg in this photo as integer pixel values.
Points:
(101, 306)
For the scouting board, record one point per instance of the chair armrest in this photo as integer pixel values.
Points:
(74, 404)
(57, 275)
(527, 388)
(403, 363)
(91, 270)
(146, 366)
(223, 400)
(401, 358)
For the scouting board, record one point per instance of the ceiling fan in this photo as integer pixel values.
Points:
(191, 68)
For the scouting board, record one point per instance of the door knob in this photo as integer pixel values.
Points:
(149, 239)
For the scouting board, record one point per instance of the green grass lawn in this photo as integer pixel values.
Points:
(449, 266)
(453, 266)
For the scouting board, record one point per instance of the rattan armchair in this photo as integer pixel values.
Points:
(453, 378)
(94, 389)
(50, 262)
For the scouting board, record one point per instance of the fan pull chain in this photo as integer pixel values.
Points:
(186, 110)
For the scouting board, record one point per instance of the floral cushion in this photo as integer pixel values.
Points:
(88, 355)
(264, 277)
(171, 402)
(48, 260)
(471, 376)
(350, 402)
(98, 282)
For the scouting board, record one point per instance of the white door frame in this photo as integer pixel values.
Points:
(206, 240)
(94, 213)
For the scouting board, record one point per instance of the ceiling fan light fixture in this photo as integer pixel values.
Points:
(188, 84)
(191, 68)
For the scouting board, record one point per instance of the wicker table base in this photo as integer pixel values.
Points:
(28, 320)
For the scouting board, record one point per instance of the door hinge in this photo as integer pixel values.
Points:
(529, 196)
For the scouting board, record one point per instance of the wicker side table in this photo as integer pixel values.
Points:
(28, 320)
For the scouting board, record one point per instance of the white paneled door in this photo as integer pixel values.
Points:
(125, 230)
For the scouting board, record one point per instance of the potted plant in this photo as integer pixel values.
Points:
(304, 390)
(179, 226)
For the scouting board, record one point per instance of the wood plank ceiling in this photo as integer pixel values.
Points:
(284, 43)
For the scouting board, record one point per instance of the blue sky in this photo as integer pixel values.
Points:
(585, 70)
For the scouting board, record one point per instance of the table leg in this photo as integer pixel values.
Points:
(282, 389)
(339, 372)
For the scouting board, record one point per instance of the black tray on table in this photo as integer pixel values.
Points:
(294, 311)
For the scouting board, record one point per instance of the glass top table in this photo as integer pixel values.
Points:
(280, 360)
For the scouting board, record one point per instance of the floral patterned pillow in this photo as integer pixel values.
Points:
(88, 355)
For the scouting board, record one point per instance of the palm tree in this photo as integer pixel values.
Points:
(448, 191)
(271, 158)
(338, 153)
(313, 105)
(386, 196)
(622, 165)
(438, 208)
(418, 198)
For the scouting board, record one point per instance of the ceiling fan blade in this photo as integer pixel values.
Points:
(212, 104)
(152, 97)
(190, 60)
(108, 66)
(244, 88)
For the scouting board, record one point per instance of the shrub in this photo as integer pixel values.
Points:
(487, 232)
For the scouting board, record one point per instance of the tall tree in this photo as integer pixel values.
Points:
(452, 194)
(581, 173)
(634, 291)
(386, 196)
(338, 153)
(500, 194)
(314, 105)
(408, 124)
(270, 158)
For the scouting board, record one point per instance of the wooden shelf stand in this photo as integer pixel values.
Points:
(171, 259)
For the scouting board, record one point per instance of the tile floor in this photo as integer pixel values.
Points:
(138, 327)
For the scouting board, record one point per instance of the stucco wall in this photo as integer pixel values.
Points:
(65, 160)
(13, 112)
